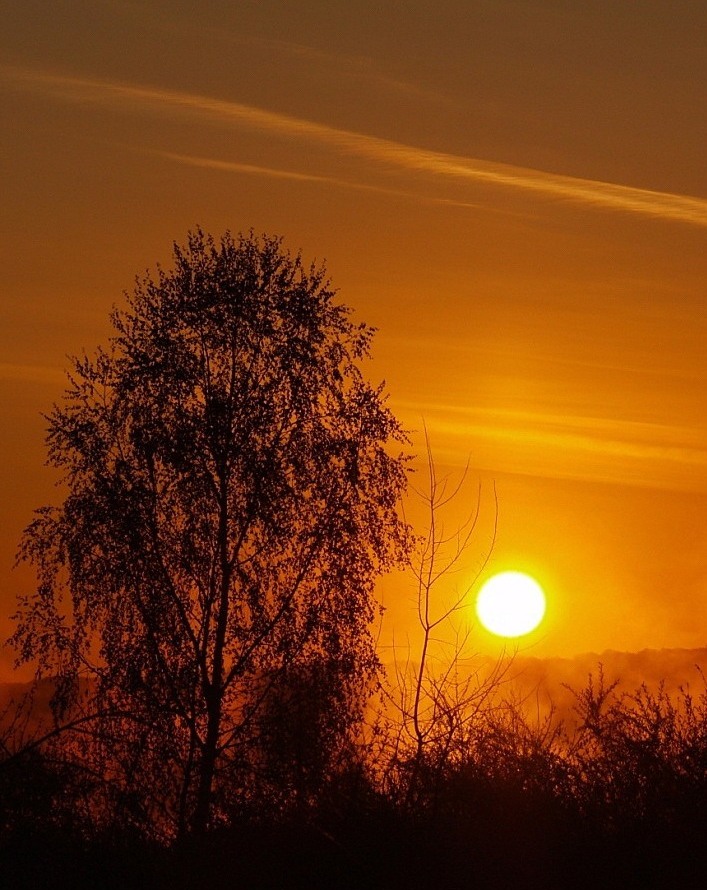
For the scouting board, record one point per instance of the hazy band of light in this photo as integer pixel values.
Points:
(274, 173)
(236, 167)
(31, 373)
(582, 191)
(632, 440)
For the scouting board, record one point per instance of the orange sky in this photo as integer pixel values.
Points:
(514, 193)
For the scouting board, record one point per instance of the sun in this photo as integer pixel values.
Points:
(510, 604)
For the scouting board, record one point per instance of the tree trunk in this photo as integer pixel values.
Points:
(202, 809)
(214, 690)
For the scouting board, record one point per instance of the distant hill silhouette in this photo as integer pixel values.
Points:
(544, 680)
(14, 694)
(26, 708)
(538, 681)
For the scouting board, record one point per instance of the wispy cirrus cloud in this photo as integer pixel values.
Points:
(275, 173)
(20, 373)
(570, 446)
(584, 192)
(361, 68)
(354, 68)
(343, 66)
(249, 169)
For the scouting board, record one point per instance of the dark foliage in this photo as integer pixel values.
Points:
(231, 498)
(621, 803)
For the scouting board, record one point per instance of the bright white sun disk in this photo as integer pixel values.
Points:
(510, 604)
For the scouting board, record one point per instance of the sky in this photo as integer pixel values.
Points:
(513, 193)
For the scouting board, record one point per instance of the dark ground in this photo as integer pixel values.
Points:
(382, 852)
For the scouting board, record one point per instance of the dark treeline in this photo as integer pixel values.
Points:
(499, 799)
(201, 631)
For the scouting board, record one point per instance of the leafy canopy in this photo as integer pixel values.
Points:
(230, 499)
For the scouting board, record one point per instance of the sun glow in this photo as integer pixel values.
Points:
(510, 604)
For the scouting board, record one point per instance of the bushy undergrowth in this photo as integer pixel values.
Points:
(620, 801)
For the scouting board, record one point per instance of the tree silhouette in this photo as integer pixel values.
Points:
(230, 499)
(438, 703)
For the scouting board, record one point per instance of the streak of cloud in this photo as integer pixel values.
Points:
(356, 68)
(31, 373)
(572, 446)
(584, 192)
(248, 169)
(276, 173)
(352, 67)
